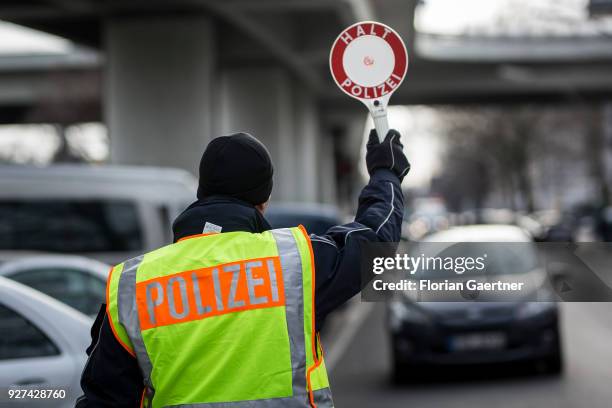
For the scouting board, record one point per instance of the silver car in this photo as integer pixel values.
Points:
(42, 347)
(76, 281)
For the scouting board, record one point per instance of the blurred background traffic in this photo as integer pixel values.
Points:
(505, 115)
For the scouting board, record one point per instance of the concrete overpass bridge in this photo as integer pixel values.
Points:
(167, 75)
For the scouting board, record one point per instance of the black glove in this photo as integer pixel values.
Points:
(387, 155)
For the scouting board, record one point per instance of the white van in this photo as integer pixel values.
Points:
(106, 212)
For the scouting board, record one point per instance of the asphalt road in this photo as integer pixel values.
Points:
(360, 368)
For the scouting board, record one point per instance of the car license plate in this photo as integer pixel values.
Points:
(477, 341)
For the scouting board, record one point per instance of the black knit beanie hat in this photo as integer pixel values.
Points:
(238, 166)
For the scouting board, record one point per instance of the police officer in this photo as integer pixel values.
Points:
(229, 314)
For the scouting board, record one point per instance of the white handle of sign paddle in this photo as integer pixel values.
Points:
(382, 127)
(381, 123)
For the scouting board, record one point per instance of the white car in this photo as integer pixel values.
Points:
(76, 281)
(111, 213)
(42, 347)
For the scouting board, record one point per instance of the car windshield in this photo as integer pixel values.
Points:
(79, 289)
(497, 258)
(70, 225)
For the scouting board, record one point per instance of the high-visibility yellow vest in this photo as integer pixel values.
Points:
(222, 321)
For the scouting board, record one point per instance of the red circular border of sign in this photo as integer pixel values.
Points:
(394, 41)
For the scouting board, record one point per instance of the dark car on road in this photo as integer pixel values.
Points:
(426, 333)
(316, 218)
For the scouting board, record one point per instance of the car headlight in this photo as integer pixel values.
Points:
(400, 313)
(532, 309)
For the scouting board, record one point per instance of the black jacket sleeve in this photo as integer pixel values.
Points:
(337, 253)
(111, 377)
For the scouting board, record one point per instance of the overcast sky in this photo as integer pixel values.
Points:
(510, 17)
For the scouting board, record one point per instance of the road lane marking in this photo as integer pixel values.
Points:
(354, 318)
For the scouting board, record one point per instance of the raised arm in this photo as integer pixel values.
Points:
(378, 219)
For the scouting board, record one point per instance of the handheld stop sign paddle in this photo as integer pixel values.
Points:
(368, 62)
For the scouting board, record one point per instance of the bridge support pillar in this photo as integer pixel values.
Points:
(267, 103)
(159, 89)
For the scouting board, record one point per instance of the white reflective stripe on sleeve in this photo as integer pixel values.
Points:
(390, 210)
